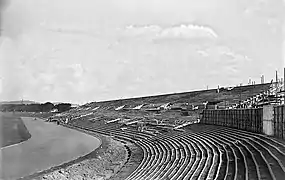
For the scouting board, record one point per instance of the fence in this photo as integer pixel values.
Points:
(245, 119)
(279, 121)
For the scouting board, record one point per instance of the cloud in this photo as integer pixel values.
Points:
(187, 31)
(47, 78)
(4, 4)
(203, 53)
(72, 30)
(224, 53)
(232, 55)
(78, 69)
(268, 12)
(223, 64)
(13, 79)
(143, 30)
(1, 86)
(79, 56)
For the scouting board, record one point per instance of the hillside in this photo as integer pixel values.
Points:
(194, 97)
(93, 113)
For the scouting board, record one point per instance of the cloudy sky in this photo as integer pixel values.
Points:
(62, 50)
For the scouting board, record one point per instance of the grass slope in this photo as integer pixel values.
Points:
(13, 130)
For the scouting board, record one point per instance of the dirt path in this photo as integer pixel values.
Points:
(50, 145)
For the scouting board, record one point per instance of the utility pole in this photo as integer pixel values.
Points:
(284, 86)
(276, 76)
(276, 86)
(262, 79)
(240, 97)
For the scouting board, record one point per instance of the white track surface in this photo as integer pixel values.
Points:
(50, 145)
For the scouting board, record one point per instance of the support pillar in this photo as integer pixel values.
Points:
(268, 120)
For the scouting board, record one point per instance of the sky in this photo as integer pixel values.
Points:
(62, 50)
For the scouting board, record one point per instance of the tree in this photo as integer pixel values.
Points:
(63, 107)
(47, 107)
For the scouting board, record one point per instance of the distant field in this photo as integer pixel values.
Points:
(13, 130)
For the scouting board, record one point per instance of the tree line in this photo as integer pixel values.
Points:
(45, 107)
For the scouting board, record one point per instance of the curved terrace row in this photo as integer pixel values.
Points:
(200, 151)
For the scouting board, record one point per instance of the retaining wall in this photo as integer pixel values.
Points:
(246, 119)
(269, 120)
(279, 121)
